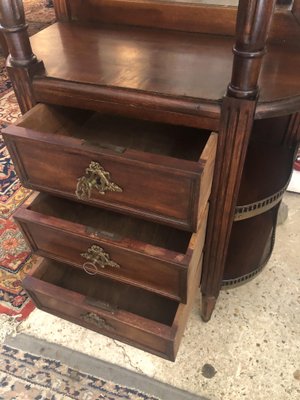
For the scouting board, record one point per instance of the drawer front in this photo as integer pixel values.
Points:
(151, 273)
(154, 323)
(66, 305)
(154, 187)
(156, 258)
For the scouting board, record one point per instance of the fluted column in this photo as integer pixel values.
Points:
(238, 110)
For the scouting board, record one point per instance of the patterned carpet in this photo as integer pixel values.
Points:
(15, 258)
(25, 376)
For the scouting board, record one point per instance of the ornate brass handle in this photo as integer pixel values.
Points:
(90, 268)
(94, 319)
(95, 178)
(96, 256)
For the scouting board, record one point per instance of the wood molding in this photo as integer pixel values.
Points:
(277, 108)
(62, 9)
(235, 128)
(185, 111)
(296, 10)
(186, 17)
(3, 45)
(22, 83)
(250, 47)
(237, 116)
(292, 136)
(14, 28)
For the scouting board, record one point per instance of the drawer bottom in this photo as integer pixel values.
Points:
(143, 319)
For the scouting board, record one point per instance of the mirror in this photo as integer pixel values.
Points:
(280, 3)
(212, 2)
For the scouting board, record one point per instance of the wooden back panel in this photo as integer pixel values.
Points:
(296, 10)
(187, 17)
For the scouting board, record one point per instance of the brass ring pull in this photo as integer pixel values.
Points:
(95, 178)
(90, 268)
(93, 318)
(96, 257)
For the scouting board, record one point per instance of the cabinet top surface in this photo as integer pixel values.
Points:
(170, 63)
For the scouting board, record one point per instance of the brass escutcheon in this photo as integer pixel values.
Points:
(93, 318)
(95, 178)
(96, 256)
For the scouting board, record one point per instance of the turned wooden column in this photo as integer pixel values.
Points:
(15, 31)
(21, 63)
(238, 109)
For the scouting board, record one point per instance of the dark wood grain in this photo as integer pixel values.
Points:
(262, 177)
(153, 323)
(250, 48)
(185, 16)
(173, 64)
(150, 256)
(292, 136)
(170, 63)
(62, 9)
(140, 105)
(248, 251)
(161, 62)
(21, 63)
(156, 165)
(296, 10)
(237, 117)
(21, 79)
(3, 45)
(267, 170)
(236, 124)
(15, 30)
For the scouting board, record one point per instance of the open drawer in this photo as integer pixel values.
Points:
(132, 315)
(155, 171)
(141, 253)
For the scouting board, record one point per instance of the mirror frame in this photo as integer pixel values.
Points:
(167, 14)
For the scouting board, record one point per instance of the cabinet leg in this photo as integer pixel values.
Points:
(207, 307)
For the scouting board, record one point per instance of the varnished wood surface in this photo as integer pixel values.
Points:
(184, 111)
(236, 126)
(296, 10)
(153, 323)
(268, 163)
(151, 173)
(185, 16)
(157, 258)
(175, 64)
(248, 251)
(171, 63)
(3, 45)
(267, 169)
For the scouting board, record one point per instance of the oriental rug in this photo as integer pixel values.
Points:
(26, 376)
(32, 369)
(15, 258)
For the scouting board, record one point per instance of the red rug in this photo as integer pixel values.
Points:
(15, 258)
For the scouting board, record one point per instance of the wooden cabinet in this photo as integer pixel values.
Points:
(140, 199)
(126, 165)
(130, 250)
(134, 316)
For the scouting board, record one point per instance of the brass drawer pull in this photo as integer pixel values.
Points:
(90, 268)
(95, 178)
(96, 256)
(94, 319)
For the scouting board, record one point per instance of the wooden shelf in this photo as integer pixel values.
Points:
(180, 72)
